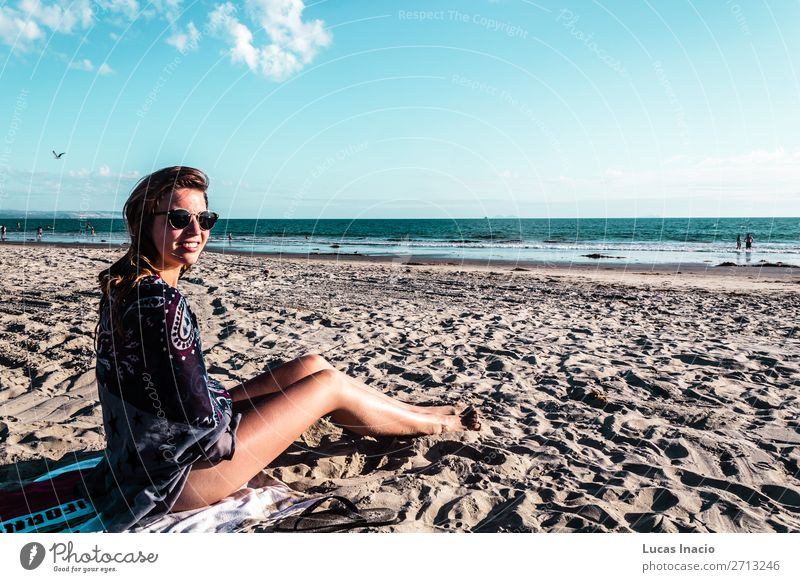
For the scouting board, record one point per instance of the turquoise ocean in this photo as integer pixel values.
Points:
(643, 241)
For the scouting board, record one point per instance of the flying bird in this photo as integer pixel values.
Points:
(58, 156)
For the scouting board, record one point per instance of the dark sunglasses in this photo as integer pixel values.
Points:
(180, 218)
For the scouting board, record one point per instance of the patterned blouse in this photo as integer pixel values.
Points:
(161, 412)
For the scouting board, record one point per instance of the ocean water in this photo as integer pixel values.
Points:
(644, 241)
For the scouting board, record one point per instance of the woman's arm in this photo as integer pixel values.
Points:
(178, 385)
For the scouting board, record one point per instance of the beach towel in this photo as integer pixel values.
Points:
(50, 503)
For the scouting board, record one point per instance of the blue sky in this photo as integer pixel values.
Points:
(339, 109)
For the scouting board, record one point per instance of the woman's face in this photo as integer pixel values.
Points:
(179, 247)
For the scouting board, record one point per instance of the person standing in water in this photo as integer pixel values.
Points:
(39, 233)
(739, 241)
(748, 242)
(2, 232)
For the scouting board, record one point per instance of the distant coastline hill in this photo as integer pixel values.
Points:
(50, 214)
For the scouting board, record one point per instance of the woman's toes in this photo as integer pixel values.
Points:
(455, 409)
(461, 407)
(469, 418)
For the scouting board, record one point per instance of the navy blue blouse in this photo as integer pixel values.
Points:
(161, 412)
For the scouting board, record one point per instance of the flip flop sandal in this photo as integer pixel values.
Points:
(347, 516)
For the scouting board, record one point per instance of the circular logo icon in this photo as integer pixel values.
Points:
(31, 555)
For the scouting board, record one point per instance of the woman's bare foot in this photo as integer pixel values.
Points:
(466, 420)
(469, 418)
(447, 410)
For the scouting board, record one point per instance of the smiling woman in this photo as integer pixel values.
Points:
(175, 439)
(180, 244)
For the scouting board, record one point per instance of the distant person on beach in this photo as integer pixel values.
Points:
(230, 236)
(2, 232)
(739, 241)
(92, 231)
(19, 226)
(748, 242)
(175, 438)
(39, 233)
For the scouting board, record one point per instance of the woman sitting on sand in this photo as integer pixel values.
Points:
(177, 440)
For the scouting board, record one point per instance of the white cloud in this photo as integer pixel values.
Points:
(22, 26)
(565, 180)
(294, 43)
(58, 18)
(170, 9)
(88, 66)
(674, 159)
(223, 23)
(290, 44)
(106, 189)
(758, 175)
(103, 171)
(776, 171)
(31, 20)
(185, 41)
(83, 65)
(129, 8)
(754, 158)
(17, 29)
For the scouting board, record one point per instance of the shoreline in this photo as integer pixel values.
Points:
(770, 270)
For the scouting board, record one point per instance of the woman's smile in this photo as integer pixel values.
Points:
(191, 246)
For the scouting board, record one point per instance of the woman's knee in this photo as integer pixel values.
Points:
(313, 363)
(325, 387)
(328, 377)
(329, 381)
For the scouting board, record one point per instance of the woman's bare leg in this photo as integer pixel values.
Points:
(280, 377)
(285, 375)
(268, 429)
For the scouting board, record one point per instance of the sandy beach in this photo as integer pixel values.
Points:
(612, 400)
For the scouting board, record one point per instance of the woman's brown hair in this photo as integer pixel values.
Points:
(121, 278)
